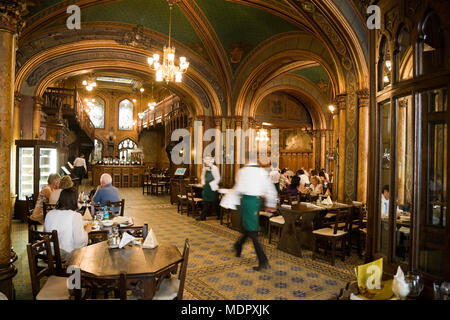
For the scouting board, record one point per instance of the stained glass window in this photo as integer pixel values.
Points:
(125, 148)
(97, 114)
(98, 150)
(125, 115)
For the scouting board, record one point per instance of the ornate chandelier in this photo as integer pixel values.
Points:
(167, 70)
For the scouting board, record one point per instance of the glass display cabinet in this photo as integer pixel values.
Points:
(36, 160)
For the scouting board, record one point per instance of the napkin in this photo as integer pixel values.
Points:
(87, 214)
(399, 286)
(230, 200)
(287, 206)
(126, 239)
(327, 201)
(150, 242)
(327, 193)
(123, 220)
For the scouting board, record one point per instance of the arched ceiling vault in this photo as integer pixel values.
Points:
(228, 42)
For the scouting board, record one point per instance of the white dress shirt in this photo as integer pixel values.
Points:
(80, 162)
(254, 181)
(216, 174)
(71, 233)
(384, 207)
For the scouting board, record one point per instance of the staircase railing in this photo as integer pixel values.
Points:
(68, 100)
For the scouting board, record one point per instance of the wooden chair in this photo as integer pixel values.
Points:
(194, 203)
(167, 184)
(116, 204)
(138, 232)
(92, 286)
(264, 219)
(156, 185)
(145, 184)
(331, 234)
(55, 288)
(41, 259)
(48, 207)
(172, 288)
(182, 198)
(277, 222)
(30, 204)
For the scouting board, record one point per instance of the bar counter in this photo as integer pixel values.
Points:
(123, 176)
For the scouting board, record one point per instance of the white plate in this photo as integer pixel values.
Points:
(107, 223)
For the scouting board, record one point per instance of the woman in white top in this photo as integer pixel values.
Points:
(315, 187)
(44, 196)
(69, 223)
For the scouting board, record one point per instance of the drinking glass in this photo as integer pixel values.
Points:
(415, 282)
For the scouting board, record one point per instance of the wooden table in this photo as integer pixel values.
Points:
(291, 241)
(98, 261)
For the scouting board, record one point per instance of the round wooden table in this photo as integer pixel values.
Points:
(99, 261)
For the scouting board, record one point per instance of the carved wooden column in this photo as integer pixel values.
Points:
(218, 157)
(341, 104)
(10, 23)
(238, 155)
(38, 102)
(322, 148)
(227, 160)
(199, 128)
(363, 145)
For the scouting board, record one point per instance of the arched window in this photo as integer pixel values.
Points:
(125, 148)
(125, 115)
(98, 149)
(403, 55)
(384, 65)
(97, 113)
(430, 47)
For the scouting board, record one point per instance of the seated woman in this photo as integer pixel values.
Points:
(292, 189)
(316, 188)
(44, 196)
(69, 223)
(64, 183)
(284, 179)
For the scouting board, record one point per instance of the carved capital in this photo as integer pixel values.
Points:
(238, 123)
(11, 15)
(38, 103)
(218, 123)
(363, 98)
(341, 101)
(17, 99)
(228, 122)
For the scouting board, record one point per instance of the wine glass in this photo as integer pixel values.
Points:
(415, 282)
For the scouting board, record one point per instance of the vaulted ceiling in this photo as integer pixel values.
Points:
(229, 35)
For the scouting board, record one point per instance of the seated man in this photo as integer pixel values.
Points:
(106, 191)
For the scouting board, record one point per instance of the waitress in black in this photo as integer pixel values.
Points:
(210, 181)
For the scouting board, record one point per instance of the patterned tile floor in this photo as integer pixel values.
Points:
(213, 270)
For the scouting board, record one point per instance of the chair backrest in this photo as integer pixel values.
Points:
(116, 204)
(105, 284)
(48, 207)
(343, 216)
(34, 251)
(183, 269)
(190, 193)
(138, 232)
(36, 236)
(30, 203)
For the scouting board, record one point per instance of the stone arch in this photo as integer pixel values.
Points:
(46, 66)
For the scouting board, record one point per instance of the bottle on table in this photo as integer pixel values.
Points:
(105, 213)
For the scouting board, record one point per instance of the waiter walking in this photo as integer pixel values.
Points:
(80, 167)
(210, 181)
(252, 184)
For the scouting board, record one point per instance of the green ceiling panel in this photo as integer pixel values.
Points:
(313, 74)
(240, 24)
(152, 14)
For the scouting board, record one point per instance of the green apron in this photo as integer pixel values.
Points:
(250, 207)
(208, 194)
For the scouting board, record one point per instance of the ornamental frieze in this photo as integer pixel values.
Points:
(11, 15)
